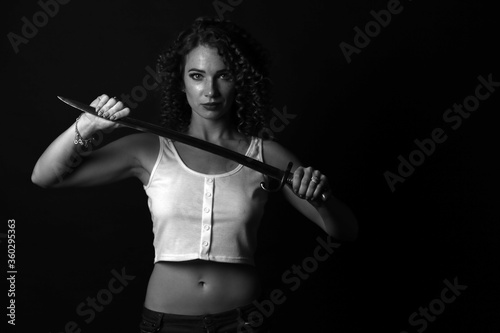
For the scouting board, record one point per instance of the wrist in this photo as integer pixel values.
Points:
(84, 131)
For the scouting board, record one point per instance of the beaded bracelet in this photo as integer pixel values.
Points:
(78, 138)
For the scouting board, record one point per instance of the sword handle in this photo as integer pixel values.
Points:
(288, 180)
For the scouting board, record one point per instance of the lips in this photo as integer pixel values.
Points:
(211, 106)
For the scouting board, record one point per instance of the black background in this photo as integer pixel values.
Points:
(352, 121)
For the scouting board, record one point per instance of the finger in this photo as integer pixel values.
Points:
(321, 187)
(314, 183)
(105, 110)
(103, 99)
(113, 110)
(95, 102)
(304, 182)
(297, 177)
(322, 190)
(120, 113)
(117, 106)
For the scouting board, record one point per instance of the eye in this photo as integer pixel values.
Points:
(226, 76)
(196, 76)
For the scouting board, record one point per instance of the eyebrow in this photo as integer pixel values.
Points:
(202, 71)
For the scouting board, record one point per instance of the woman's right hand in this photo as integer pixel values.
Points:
(61, 163)
(107, 107)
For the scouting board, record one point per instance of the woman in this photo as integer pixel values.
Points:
(205, 209)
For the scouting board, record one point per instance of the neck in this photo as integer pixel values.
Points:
(212, 131)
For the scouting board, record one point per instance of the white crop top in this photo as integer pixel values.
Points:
(201, 216)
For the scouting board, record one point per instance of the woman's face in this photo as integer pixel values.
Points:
(208, 84)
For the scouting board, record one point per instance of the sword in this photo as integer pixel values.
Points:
(282, 176)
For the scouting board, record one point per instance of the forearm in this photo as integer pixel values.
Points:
(63, 156)
(338, 219)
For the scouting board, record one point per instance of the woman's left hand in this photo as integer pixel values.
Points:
(310, 184)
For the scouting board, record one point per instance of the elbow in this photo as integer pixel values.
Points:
(347, 232)
(35, 179)
(345, 224)
(38, 179)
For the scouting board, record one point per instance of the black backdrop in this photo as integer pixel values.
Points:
(349, 119)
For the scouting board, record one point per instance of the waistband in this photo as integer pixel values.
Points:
(238, 315)
(230, 314)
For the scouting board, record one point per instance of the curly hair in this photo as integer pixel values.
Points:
(244, 58)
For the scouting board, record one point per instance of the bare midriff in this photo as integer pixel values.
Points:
(200, 287)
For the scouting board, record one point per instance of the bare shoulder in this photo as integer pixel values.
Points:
(141, 147)
(144, 146)
(277, 155)
(139, 144)
(142, 139)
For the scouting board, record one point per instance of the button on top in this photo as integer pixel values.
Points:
(205, 243)
(206, 209)
(208, 194)
(206, 227)
(210, 180)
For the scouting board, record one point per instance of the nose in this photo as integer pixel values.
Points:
(211, 88)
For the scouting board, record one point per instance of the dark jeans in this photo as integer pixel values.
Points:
(246, 319)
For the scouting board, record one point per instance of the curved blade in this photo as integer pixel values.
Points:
(143, 126)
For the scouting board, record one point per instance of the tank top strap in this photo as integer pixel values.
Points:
(255, 148)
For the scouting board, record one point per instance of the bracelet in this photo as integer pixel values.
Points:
(78, 138)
